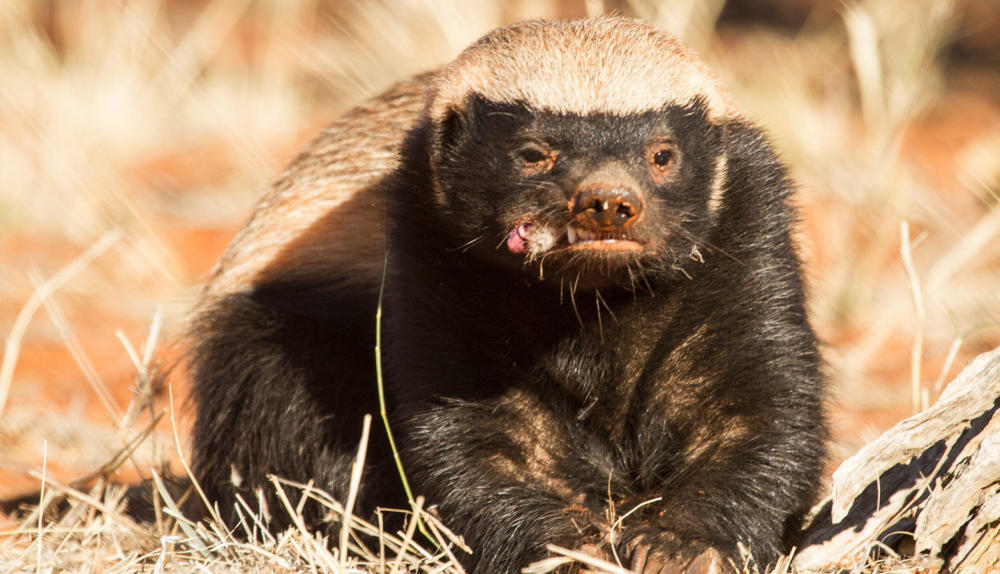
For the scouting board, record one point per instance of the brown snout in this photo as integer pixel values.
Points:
(606, 201)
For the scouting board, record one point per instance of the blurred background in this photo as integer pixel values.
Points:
(136, 136)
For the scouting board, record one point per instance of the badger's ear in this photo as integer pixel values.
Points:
(454, 129)
(449, 132)
(442, 128)
(451, 128)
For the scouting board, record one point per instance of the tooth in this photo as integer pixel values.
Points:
(570, 235)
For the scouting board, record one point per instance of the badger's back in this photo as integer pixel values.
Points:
(323, 218)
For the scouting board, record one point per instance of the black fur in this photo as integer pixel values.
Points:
(525, 393)
(282, 392)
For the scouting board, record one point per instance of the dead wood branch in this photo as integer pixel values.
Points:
(928, 486)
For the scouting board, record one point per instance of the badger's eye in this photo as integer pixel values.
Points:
(662, 157)
(536, 160)
(532, 155)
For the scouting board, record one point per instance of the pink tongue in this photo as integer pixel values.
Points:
(515, 241)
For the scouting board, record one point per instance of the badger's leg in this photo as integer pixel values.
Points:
(509, 476)
(282, 377)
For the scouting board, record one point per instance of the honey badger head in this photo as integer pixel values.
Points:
(581, 151)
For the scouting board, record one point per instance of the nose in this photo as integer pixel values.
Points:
(608, 208)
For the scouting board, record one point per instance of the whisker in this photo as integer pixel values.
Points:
(642, 274)
(678, 226)
(468, 244)
(600, 324)
(600, 299)
(572, 299)
(500, 113)
(682, 270)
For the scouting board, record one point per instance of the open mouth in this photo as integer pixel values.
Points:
(528, 238)
(578, 239)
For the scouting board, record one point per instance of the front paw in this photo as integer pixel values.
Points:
(646, 559)
(599, 553)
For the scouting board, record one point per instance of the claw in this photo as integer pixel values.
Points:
(708, 562)
(639, 558)
(645, 561)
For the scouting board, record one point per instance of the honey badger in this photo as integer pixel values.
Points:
(594, 329)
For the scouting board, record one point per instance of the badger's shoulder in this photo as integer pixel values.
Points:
(323, 217)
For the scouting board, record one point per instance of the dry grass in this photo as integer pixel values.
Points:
(161, 122)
